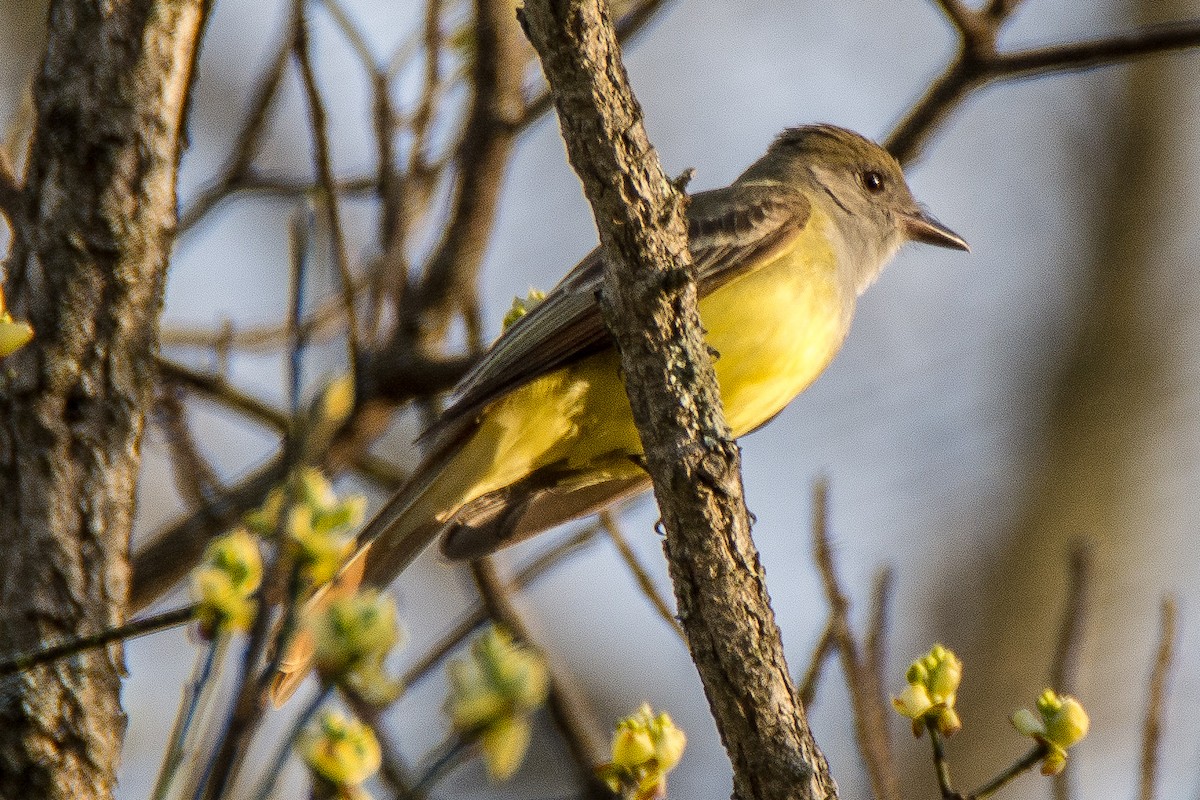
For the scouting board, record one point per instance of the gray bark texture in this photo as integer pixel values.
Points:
(92, 236)
(649, 303)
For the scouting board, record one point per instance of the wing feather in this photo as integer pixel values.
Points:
(730, 231)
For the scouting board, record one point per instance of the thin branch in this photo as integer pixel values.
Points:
(479, 616)
(870, 709)
(644, 581)
(1064, 668)
(1097, 53)
(448, 281)
(217, 389)
(195, 479)
(352, 34)
(875, 661)
(326, 181)
(246, 147)
(941, 766)
(1155, 700)
(120, 633)
(824, 648)
(979, 62)
(12, 193)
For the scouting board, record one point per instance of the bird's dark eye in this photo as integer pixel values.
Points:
(872, 181)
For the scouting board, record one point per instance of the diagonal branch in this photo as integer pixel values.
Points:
(649, 304)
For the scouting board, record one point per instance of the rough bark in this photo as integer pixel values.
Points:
(87, 269)
(649, 303)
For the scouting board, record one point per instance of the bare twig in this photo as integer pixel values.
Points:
(12, 193)
(979, 61)
(352, 34)
(1064, 669)
(195, 479)
(120, 633)
(326, 181)
(216, 388)
(446, 286)
(941, 765)
(644, 581)
(875, 659)
(866, 697)
(825, 647)
(246, 146)
(479, 616)
(1155, 698)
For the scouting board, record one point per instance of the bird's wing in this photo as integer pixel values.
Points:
(730, 231)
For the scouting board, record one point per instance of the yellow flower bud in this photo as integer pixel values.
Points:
(1066, 722)
(1060, 722)
(264, 520)
(645, 748)
(338, 399)
(945, 675)
(224, 582)
(13, 335)
(503, 745)
(492, 694)
(342, 751)
(669, 742)
(932, 691)
(632, 746)
(913, 702)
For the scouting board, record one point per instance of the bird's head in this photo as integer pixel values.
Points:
(860, 187)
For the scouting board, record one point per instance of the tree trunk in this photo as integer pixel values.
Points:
(90, 250)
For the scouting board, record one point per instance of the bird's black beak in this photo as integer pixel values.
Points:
(920, 227)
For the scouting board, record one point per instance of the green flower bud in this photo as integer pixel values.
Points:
(224, 582)
(492, 694)
(353, 631)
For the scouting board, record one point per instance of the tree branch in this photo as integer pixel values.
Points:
(980, 62)
(649, 304)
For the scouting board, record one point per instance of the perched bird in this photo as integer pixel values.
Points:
(540, 431)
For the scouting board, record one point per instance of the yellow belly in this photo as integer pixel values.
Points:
(775, 330)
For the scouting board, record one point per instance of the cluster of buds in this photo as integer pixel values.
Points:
(1060, 722)
(225, 581)
(645, 748)
(317, 525)
(13, 334)
(932, 689)
(522, 306)
(341, 753)
(493, 692)
(352, 637)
